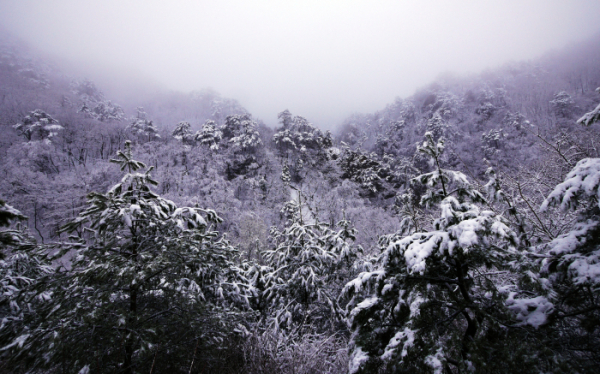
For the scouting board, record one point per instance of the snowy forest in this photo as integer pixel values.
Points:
(455, 230)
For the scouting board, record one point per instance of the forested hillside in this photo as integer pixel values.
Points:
(456, 230)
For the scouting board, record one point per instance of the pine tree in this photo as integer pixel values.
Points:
(562, 104)
(142, 127)
(240, 139)
(22, 268)
(571, 266)
(183, 134)
(442, 300)
(103, 111)
(591, 117)
(146, 276)
(38, 125)
(209, 136)
(310, 262)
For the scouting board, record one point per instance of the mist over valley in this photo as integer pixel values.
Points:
(299, 187)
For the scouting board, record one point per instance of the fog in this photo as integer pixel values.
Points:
(320, 59)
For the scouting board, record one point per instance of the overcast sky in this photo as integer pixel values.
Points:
(320, 59)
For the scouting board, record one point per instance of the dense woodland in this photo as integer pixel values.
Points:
(456, 230)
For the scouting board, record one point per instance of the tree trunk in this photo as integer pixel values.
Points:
(129, 339)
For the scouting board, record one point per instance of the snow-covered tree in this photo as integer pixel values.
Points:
(298, 142)
(221, 108)
(486, 110)
(209, 136)
(309, 262)
(437, 302)
(362, 168)
(562, 104)
(352, 134)
(241, 133)
(8, 214)
(492, 141)
(285, 119)
(391, 142)
(571, 265)
(87, 90)
(103, 111)
(142, 127)
(183, 133)
(591, 117)
(22, 266)
(438, 127)
(300, 137)
(375, 175)
(93, 103)
(145, 276)
(240, 140)
(38, 125)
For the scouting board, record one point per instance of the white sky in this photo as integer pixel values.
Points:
(320, 59)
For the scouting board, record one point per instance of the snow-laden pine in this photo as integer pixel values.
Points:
(570, 263)
(143, 274)
(308, 263)
(437, 296)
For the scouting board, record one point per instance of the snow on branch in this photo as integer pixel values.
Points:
(584, 179)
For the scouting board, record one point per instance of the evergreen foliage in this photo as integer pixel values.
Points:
(142, 127)
(38, 125)
(591, 117)
(438, 272)
(145, 276)
(571, 266)
(435, 303)
(182, 132)
(210, 135)
(310, 262)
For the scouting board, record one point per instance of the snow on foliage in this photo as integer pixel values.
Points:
(307, 262)
(363, 305)
(562, 104)
(582, 181)
(435, 361)
(8, 214)
(210, 135)
(241, 132)
(38, 125)
(442, 182)
(405, 337)
(145, 267)
(297, 133)
(23, 266)
(357, 359)
(577, 252)
(93, 103)
(590, 117)
(103, 111)
(142, 127)
(530, 311)
(182, 132)
(300, 143)
(431, 288)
